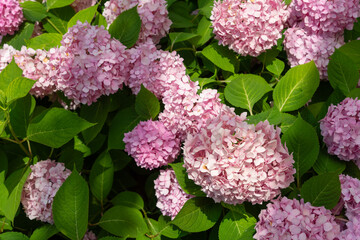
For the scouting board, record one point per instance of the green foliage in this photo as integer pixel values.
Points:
(33, 11)
(146, 104)
(85, 15)
(186, 184)
(129, 199)
(126, 27)
(50, 4)
(44, 232)
(45, 41)
(71, 207)
(221, 57)
(237, 225)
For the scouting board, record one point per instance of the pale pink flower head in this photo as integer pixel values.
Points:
(7, 53)
(153, 15)
(79, 5)
(304, 46)
(44, 181)
(171, 198)
(95, 64)
(340, 129)
(292, 219)
(324, 15)
(89, 235)
(249, 27)
(352, 230)
(11, 16)
(151, 144)
(350, 195)
(234, 161)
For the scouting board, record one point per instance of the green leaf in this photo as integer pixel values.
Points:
(245, 90)
(5, 223)
(167, 229)
(3, 198)
(276, 67)
(322, 190)
(102, 176)
(205, 7)
(71, 207)
(179, 14)
(33, 11)
(296, 87)
(18, 40)
(221, 56)
(95, 113)
(302, 140)
(327, 163)
(129, 199)
(15, 184)
(10, 72)
(181, 36)
(124, 121)
(203, 81)
(126, 27)
(146, 104)
(20, 112)
(72, 158)
(123, 222)
(204, 30)
(100, 20)
(198, 214)
(45, 41)
(44, 232)
(85, 15)
(352, 50)
(50, 4)
(13, 236)
(237, 225)
(269, 56)
(343, 73)
(3, 166)
(111, 238)
(18, 88)
(57, 20)
(55, 127)
(185, 183)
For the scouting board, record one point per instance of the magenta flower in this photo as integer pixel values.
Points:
(292, 219)
(40, 188)
(151, 144)
(11, 17)
(171, 198)
(248, 27)
(234, 161)
(340, 129)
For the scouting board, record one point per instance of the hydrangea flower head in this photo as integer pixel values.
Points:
(248, 27)
(95, 64)
(325, 16)
(340, 129)
(40, 188)
(89, 235)
(352, 230)
(151, 144)
(234, 161)
(350, 195)
(171, 198)
(153, 15)
(293, 219)
(11, 16)
(304, 46)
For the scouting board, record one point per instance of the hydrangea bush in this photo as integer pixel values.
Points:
(154, 119)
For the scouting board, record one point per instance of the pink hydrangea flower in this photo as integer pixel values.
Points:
(302, 47)
(79, 5)
(234, 161)
(7, 53)
(340, 129)
(171, 198)
(11, 16)
(248, 27)
(292, 219)
(95, 64)
(89, 235)
(325, 16)
(153, 15)
(40, 188)
(151, 144)
(350, 195)
(352, 230)
(157, 70)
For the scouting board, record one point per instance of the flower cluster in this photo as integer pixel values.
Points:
(171, 198)
(340, 129)
(89, 235)
(11, 16)
(293, 219)
(153, 15)
(79, 5)
(40, 188)
(352, 230)
(248, 27)
(350, 196)
(302, 47)
(234, 161)
(151, 144)
(94, 64)
(316, 29)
